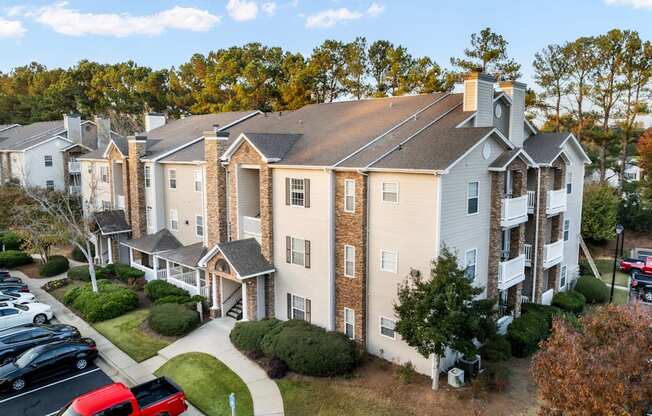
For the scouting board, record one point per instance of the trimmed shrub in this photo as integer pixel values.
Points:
(276, 368)
(594, 290)
(109, 302)
(11, 241)
(77, 255)
(246, 336)
(156, 289)
(172, 319)
(570, 301)
(126, 273)
(496, 348)
(55, 284)
(310, 350)
(54, 266)
(525, 333)
(12, 258)
(82, 273)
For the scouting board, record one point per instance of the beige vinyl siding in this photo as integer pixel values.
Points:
(573, 210)
(183, 199)
(307, 224)
(408, 228)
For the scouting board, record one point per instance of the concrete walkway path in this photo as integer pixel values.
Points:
(213, 338)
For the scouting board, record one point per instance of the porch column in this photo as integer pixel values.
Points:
(131, 256)
(245, 311)
(198, 282)
(215, 307)
(167, 268)
(221, 297)
(110, 247)
(155, 267)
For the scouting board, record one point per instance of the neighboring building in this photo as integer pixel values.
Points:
(319, 213)
(44, 154)
(632, 173)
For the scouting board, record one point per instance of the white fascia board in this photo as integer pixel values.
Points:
(108, 147)
(238, 142)
(57, 137)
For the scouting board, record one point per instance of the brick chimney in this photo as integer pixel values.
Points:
(103, 131)
(516, 91)
(214, 146)
(479, 97)
(72, 124)
(137, 215)
(153, 121)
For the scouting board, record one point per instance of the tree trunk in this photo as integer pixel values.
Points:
(435, 372)
(623, 161)
(91, 266)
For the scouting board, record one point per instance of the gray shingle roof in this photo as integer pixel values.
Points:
(544, 147)
(245, 257)
(502, 160)
(120, 141)
(273, 146)
(163, 240)
(111, 222)
(22, 137)
(192, 153)
(186, 255)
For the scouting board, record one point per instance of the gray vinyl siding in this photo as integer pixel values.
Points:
(459, 231)
(574, 210)
(502, 123)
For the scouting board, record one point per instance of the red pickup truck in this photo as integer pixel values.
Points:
(629, 265)
(155, 398)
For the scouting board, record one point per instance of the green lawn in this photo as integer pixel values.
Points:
(605, 267)
(126, 333)
(207, 383)
(621, 297)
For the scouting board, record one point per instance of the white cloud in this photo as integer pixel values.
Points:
(242, 10)
(11, 28)
(62, 19)
(269, 8)
(375, 9)
(331, 17)
(637, 4)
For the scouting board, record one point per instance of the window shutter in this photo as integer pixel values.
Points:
(288, 249)
(307, 254)
(287, 191)
(306, 193)
(307, 309)
(289, 306)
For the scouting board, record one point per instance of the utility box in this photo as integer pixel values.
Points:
(456, 377)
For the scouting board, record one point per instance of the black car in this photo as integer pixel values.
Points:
(45, 361)
(10, 279)
(642, 283)
(14, 341)
(13, 287)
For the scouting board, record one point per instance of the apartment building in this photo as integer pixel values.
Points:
(44, 154)
(319, 213)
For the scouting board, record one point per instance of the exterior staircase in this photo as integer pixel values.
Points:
(236, 311)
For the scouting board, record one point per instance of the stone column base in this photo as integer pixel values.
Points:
(215, 312)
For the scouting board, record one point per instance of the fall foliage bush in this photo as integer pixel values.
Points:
(594, 290)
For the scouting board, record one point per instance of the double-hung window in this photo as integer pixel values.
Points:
(199, 181)
(148, 217)
(199, 225)
(566, 229)
(104, 174)
(47, 159)
(562, 276)
(349, 323)
(349, 195)
(387, 327)
(298, 307)
(349, 261)
(297, 251)
(569, 180)
(174, 220)
(173, 178)
(297, 192)
(389, 192)
(388, 261)
(148, 176)
(471, 259)
(472, 198)
(49, 185)
(106, 205)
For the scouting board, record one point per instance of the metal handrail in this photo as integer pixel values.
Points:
(232, 295)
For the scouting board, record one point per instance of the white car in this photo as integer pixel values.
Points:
(17, 297)
(13, 314)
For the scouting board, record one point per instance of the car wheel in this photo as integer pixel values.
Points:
(6, 360)
(648, 296)
(81, 363)
(18, 384)
(40, 319)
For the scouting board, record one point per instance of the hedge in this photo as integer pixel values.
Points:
(11, 241)
(594, 290)
(54, 266)
(124, 272)
(157, 289)
(571, 301)
(496, 348)
(180, 299)
(172, 319)
(309, 349)
(110, 301)
(12, 258)
(82, 273)
(246, 336)
(532, 327)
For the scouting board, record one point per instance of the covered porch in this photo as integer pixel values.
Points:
(180, 267)
(111, 229)
(143, 251)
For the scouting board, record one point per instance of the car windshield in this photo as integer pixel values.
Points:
(21, 307)
(27, 357)
(68, 411)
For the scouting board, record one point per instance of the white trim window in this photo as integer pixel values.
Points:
(49, 185)
(387, 327)
(199, 181)
(199, 225)
(174, 220)
(104, 174)
(106, 205)
(472, 198)
(569, 180)
(298, 307)
(349, 261)
(148, 217)
(297, 192)
(349, 323)
(148, 176)
(47, 161)
(388, 261)
(389, 192)
(566, 229)
(298, 251)
(563, 274)
(172, 178)
(470, 263)
(349, 195)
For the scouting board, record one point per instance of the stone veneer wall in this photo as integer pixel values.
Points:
(137, 187)
(351, 229)
(215, 192)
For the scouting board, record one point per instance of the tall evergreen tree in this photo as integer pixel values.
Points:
(488, 53)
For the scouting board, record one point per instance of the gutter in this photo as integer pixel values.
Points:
(366, 260)
(536, 238)
(331, 249)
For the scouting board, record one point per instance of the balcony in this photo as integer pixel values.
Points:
(556, 202)
(74, 167)
(251, 227)
(531, 201)
(120, 201)
(74, 189)
(553, 254)
(528, 254)
(513, 211)
(511, 272)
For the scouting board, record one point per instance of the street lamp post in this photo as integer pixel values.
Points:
(619, 230)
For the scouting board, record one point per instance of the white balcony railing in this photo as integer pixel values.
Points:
(251, 227)
(186, 280)
(553, 254)
(531, 201)
(74, 166)
(149, 273)
(74, 189)
(513, 211)
(528, 254)
(556, 201)
(511, 272)
(546, 297)
(162, 274)
(120, 201)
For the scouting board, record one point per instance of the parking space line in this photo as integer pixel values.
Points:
(49, 385)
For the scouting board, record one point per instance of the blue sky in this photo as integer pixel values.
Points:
(163, 33)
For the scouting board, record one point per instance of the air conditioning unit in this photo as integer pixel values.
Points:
(456, 377)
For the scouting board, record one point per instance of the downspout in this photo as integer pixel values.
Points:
(331, 249)
(366, 259)
(536, 237)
